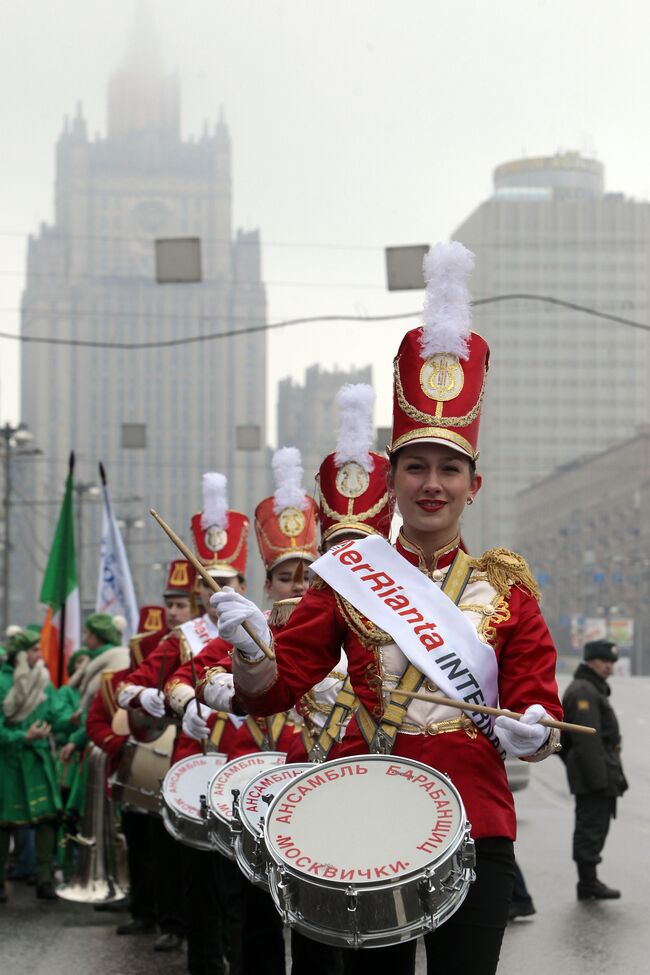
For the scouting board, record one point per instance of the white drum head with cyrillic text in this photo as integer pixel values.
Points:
(364, 820)
(236, 775)
(188, 780)
(252, 805)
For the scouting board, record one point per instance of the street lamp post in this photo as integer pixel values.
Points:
(16, 440)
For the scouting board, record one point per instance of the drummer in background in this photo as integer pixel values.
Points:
(285, 526)
(211, 884)
(143, 899)
(440, 373)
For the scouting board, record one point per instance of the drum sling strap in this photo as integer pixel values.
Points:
(217, 732)
(380, 738)
(319, 746)
(274, 727)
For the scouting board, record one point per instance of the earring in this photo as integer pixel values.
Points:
(470, 501)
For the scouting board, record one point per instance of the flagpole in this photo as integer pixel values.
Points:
(62, 627)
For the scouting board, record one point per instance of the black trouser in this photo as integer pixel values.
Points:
(470, 941)
(45, 839)
(593, 814)
(135, 826)
(213, 910)
(309, 957)
(520, 893)
(167, 866)
(263, 944)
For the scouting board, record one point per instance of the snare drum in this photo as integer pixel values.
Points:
(368, 851)
(248, 819)
(183, 799)
(136, 783)
(234, 776)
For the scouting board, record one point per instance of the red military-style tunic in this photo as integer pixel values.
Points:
(100, 716)
(237, 737)
(499, 602)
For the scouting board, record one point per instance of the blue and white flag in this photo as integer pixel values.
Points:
(115, 592)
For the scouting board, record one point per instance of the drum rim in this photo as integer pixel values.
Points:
(233, 761)
(453, 847)
(245, 820)
(182, 761)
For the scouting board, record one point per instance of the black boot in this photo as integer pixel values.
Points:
(590, 888)
(45, 891)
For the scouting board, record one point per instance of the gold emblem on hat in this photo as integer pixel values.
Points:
(154, 620)
(442, 377)
(215, 538)
(352, 480)
(291, 522)
(180, 574)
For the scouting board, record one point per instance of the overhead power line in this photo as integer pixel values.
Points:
(268, 327)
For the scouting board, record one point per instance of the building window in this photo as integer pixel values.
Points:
(134, 436)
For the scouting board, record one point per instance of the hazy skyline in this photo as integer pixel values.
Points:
(353, 125)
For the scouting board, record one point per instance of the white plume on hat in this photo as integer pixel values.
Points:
(119, 622)
(287, 473)
(447, 312)
(215, 500)
(356, 430)
(11, 630)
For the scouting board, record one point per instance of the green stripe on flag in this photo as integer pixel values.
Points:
(61, 573)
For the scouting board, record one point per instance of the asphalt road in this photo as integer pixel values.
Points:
(565, 936)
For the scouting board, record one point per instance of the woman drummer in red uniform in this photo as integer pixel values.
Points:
(439, 380)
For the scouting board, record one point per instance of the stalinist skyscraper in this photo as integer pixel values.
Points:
(157, 416)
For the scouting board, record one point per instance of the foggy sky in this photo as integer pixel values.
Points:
(354, 123)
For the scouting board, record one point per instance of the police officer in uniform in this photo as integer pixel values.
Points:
(593, 764)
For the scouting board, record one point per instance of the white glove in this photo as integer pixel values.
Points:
(219, 692)
(523, 737)
(194, 724)
(153, 702)
(233, 609)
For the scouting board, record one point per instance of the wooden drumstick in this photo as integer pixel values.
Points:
(207, 578)
(484, 709)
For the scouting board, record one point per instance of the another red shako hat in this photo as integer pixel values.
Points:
(181, 578)
(353, 493)
(441, 367)
(220, 535)
(285, 524)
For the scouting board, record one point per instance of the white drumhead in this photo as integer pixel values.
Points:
(365, 820)
(252, 806)
(236, 775)
(189, 779)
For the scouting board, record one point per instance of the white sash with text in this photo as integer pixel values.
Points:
(431, 631)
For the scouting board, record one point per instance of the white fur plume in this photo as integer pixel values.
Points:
(215, 500)
(356, 429)
(447, 313)
(119, 622)
(288, 472)
(11, 630)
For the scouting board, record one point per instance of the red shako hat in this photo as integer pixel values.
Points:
(352, 481)
(220, 535)
(181, 578)
(151, 619)
(285, 524)
(152, 627)
(441, 367)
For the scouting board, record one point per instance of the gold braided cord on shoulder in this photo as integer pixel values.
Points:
(440, 421)
(357, 515)
(505, 569)
(364, 628)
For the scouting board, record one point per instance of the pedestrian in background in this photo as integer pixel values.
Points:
(593, 764)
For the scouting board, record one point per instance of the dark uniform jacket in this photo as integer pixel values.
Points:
(593, 762)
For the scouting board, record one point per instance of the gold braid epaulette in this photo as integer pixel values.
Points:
(318, 583)
(505, 569)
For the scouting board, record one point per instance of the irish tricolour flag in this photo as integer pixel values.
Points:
(60, 593)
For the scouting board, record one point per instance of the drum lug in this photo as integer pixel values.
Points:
(468, 854)
(286, 892)
(235, 822)
(351, 899)
(317, 754)
(426, 890)
(203, 807)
